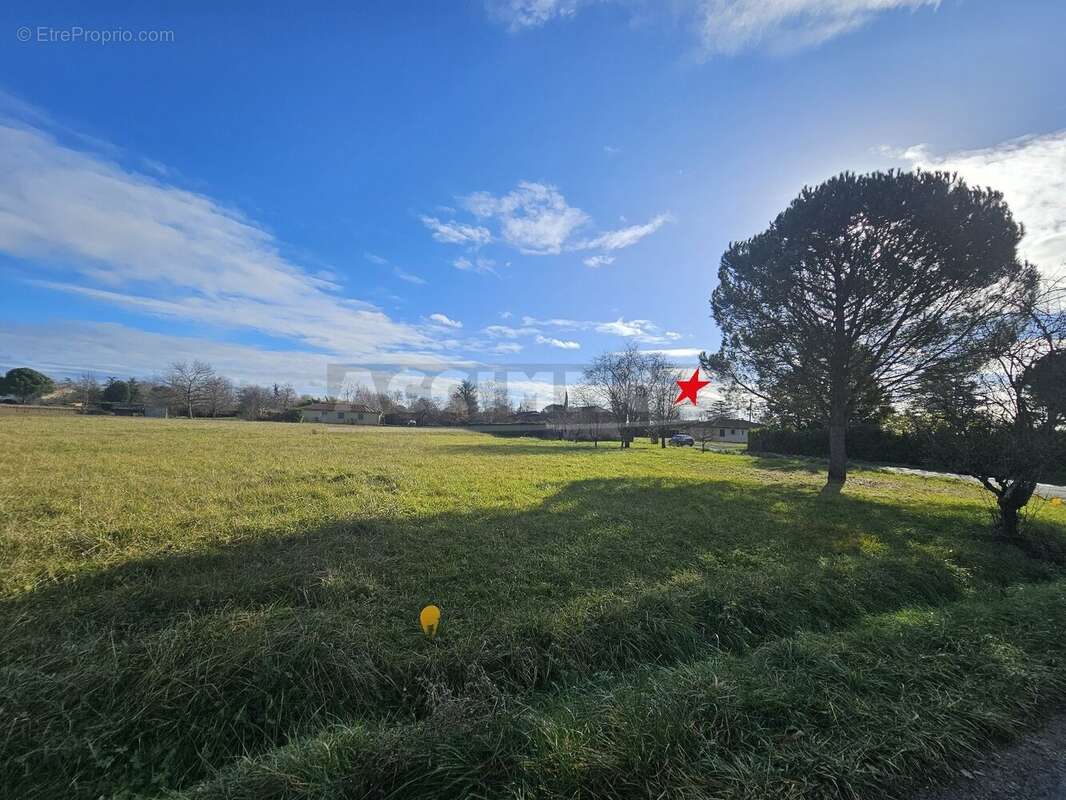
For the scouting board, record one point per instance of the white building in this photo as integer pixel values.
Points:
(340, 414)
(725, 429)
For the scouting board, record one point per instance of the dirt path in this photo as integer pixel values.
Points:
(1032, 769)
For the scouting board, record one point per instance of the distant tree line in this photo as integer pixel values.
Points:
(193, 389)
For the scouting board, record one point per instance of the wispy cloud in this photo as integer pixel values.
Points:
(91, 227)
(534, 219)
(1031, 173)
(519, 14)
(507, 332)
(625, 237)
(595, 262)
(443, 319)
(476, 264)
(409, 277)
(457, 233)
(561, 344)
(639, 330)
(728, 26)
(402, 274)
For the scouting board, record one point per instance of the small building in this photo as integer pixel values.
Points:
(723, 429)
(340, 414)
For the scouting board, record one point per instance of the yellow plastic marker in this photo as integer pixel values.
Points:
(430, 619)
(1056, 501)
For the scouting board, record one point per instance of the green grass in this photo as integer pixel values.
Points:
(229, 610)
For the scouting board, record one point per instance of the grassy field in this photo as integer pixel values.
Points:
(229, 610)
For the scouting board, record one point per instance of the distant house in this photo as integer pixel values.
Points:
(340, 414)
(723, 429)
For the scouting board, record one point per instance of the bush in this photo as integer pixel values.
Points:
(916, 448)
(288, 415)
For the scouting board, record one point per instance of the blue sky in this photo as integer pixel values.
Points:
(468, 183)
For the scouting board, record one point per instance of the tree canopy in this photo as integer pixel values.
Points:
(860, 288)
(26, 383)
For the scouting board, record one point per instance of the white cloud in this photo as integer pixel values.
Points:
(507, 332)
(506, 315)
(159, 249)
(679, 352)
(457, 233)
(519, 14)
(730, 26)
(446, 321)
(562, 344)
(409, 277)
(625, 237)
(1031, 173)
(535, 219)
(598, 261)
(374, 258)
(479, 264)
(639, 330)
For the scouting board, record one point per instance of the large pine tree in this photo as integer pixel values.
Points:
(861, 287)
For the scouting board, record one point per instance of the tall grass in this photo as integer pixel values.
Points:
(230, 609)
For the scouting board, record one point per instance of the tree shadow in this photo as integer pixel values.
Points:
(197, 657)
(783, 463)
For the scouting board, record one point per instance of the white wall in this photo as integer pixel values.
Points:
(730, 434)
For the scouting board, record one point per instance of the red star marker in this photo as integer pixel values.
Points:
(690, 388)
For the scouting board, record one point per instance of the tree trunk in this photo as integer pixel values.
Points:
(1010, 502)
(838, 453)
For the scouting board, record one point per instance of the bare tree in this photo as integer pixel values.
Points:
(188, 382)
(497, 402)
(219, 395)
(619, 381)
(380, 402)
(253, 400)
(285, 396)
(661, 383)
(424, 408)
(86, 388)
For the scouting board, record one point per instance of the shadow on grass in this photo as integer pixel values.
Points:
(782, 463)
(162, 667)
(504, 446)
